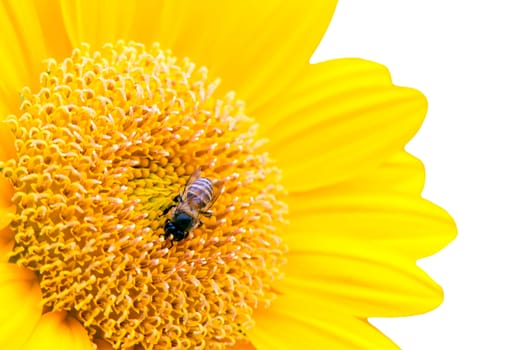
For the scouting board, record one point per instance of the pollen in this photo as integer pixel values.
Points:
(102, 148)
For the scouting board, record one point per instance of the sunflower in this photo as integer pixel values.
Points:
(296, 213)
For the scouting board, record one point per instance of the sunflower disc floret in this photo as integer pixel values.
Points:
(102, 148)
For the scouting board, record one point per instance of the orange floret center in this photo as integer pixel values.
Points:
(102, 149)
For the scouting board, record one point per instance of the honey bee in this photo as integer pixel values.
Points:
(196, 199)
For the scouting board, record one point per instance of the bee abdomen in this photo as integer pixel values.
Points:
(200, 191)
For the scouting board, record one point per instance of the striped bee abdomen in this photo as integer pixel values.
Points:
(200, 192)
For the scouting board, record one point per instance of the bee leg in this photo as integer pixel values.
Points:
(167, 209)
(177, 199)
(207, 213)
(200, 223)
(166, 239)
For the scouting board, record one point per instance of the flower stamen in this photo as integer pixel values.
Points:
(102, 149)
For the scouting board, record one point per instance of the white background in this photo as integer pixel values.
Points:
(468, 58)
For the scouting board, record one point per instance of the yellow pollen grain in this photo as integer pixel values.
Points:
(101, 149)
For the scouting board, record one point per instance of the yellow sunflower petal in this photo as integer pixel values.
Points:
(242, 345)
(299, 321)
(103, 345)
(5, 212)
(343, 147)
(402, 172)
(7, 143)
(100, 21)
(256, 47)
(334, 129)
(7, 151)
(58, 331)
(6, 191)
(21, 48)
(339, 76)
(159, 17)
(52, 24)
(6, 244)
(20, 308)
(369, 280)
(332, 220)
(6, 234)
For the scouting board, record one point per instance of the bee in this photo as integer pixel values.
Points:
(196, 199)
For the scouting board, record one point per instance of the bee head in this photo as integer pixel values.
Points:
(178, 228)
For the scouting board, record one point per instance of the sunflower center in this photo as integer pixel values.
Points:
(103, 147)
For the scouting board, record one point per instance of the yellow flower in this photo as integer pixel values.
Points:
(109, 107)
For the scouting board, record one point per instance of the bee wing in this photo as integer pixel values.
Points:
(218, 187)
(193, 177)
